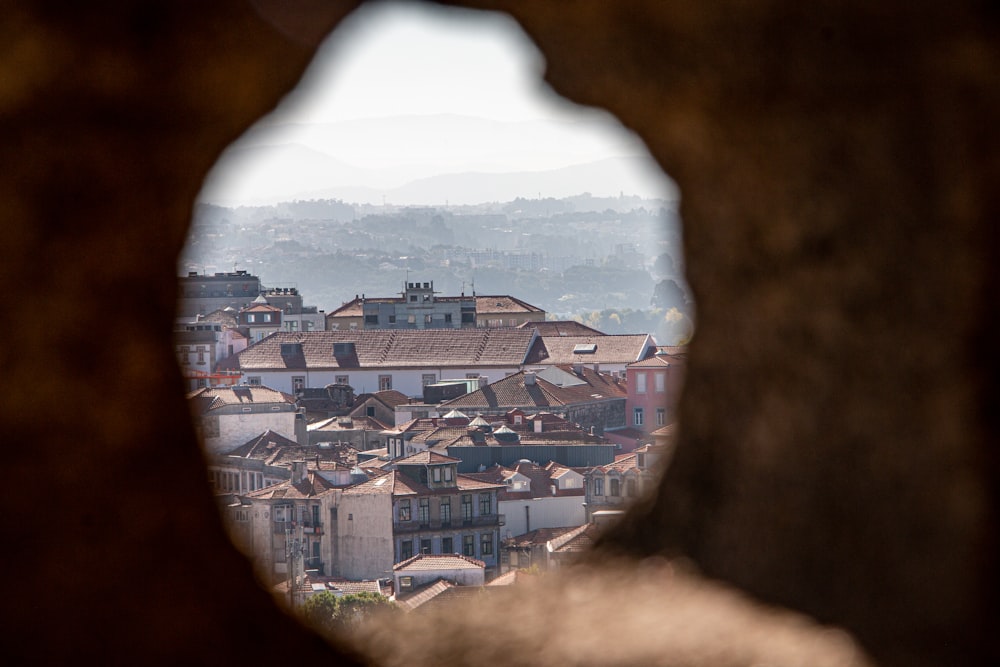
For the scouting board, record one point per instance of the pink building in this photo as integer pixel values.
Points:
(654, 387)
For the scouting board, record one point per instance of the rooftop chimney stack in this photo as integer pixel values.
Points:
(529, 378)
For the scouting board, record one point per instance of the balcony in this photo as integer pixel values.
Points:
(474, 522)
(312, 528)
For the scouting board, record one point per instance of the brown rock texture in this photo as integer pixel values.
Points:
(838, 163)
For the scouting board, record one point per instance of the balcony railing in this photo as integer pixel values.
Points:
(474, 522)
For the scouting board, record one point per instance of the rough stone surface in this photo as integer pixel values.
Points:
(838, 164)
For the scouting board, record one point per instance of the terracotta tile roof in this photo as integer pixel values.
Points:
(425, 562)
(312, 485)
(277, 450)
(383, 348)
(537, 537)
(512, 391)
(360, 423)
(348, 587)
(561, 328)
(398, 484)
(629, 432)
(426, 458)
(207, 399)
(575, 540)
(423, 594)
(614, 349)
(503, 304)
(261, 308)
(655, 361)
(622, 463)
(668, 431)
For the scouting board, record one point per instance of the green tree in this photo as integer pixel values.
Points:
(320, 611)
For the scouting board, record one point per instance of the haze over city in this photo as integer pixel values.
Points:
(390, 112)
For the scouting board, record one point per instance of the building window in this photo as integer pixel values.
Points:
(485, 504)
(446, 546)
(251, 318)
(283, 513)
(615, 487)
(436, 474)
(467, 507)
(598, 486)
(630, 488)
(392, 319)
(427, 319)
(353, 326)
(424, 511)
(427, 378)
(292, 325)
(342, 379)
(640, 383)
(660, 416)
(447, 318)
(413, 298)
(411, 319)
(661, 382)
(384, 382)
(404, 510)
(298, 383)
(405, 549)
(446, 513)
(469, 545)
(425, 546)
(447, 473)
(637, 416)
(486, 544)
(254, 381)
(267, 317)
(371, 320)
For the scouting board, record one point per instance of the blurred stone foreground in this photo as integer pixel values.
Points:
(837, 466)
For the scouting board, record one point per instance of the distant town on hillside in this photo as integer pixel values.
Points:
(612, 263)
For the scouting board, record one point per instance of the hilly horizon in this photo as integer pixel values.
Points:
(430, 160)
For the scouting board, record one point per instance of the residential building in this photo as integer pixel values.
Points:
(294, 315)
(267, 459)
(574, 392)
(505, 311)
(419, 306)
(201, 294)
(607, 353)
(424, 569)
(424, 506)
(200, 345)
(616, 485)
(285, 528)
(567, 548)
(654, 386)
(561, 328)
(382, 359)
(479, 444)
(535, 496)
(363, 433)
(225, 417)
(260, 319)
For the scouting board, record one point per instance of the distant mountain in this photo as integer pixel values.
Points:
(433, 160)
(605, 178)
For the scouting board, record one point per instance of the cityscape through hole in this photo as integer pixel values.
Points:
(432, 319)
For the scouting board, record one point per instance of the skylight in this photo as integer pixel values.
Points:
(585, 348)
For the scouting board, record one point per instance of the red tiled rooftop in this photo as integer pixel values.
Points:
(382, 348)
(425, 562)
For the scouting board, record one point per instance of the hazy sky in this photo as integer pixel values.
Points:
(402, 91)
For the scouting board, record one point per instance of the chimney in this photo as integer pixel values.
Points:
(578, 369)
(529, 378)
(597, 368)
(298, 471)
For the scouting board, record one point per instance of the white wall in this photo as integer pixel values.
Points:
(235, 430)
(364, 536)
(554, 512)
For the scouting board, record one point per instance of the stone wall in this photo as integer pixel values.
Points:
(837, 162)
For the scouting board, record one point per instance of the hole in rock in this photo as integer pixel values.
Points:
(432, 317)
